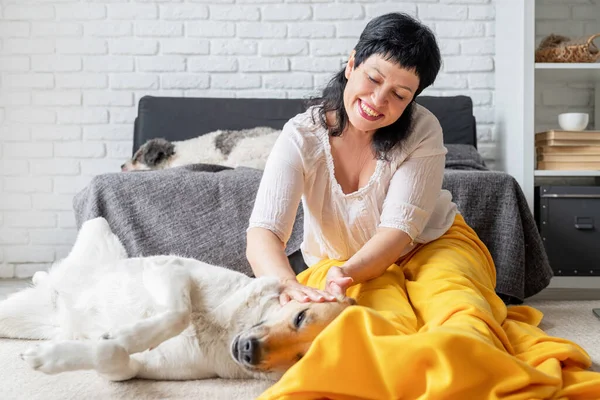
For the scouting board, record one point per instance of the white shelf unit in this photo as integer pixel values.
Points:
(514, 94)
(516, 74)
(566, 173)
(588, 72)
(592, 67)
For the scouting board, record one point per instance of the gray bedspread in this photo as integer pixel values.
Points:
(202, 211)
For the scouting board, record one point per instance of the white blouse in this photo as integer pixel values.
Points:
(405, 192)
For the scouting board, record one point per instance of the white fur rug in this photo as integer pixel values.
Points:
(569, 319)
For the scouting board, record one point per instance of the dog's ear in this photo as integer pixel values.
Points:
(155, 151)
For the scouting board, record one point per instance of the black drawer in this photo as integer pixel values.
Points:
(569, 222)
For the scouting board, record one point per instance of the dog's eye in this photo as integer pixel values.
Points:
(299, 356)
(300, 318)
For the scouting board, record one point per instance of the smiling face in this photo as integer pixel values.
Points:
(277, 343)
(377, 92)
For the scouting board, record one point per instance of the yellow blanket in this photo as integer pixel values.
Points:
(432, 327)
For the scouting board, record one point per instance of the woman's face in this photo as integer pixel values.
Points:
(377, 92)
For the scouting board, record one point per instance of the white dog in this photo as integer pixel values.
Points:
(161, 317)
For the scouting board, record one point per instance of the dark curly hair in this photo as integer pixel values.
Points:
(398, 38)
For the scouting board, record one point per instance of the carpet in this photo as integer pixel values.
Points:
(569, 319)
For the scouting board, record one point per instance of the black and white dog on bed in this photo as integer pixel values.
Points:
(159, 317)
(246, 147)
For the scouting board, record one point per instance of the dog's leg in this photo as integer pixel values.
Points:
(170, 288)
(111, 361)
(94, 247)
(97, 243)
(107, 357)
(179, 358)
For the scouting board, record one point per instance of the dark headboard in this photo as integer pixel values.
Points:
(180, 118)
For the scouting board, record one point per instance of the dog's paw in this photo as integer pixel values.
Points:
(50, 357)
(41, 358)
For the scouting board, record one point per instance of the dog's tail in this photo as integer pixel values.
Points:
(30, 313)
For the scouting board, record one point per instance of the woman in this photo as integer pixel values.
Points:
(367, 162)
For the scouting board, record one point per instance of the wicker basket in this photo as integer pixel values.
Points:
(561, 49)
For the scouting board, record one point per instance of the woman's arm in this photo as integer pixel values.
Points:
(273, 218)
(275, 208)
(381, 251)
(266, 255)
(410, 200)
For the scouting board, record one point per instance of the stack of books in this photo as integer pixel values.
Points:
(566, 150)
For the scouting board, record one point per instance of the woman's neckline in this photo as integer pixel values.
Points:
(324, 138)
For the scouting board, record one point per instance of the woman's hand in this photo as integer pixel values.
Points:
(337, 281)
(293, 290)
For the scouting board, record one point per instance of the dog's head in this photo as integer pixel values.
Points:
(152, 155)
(278, 342)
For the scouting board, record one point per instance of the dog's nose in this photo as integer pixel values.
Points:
(249, 351)
(123, 167)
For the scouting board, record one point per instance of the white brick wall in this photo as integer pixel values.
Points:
(72, 72)
(573, 18)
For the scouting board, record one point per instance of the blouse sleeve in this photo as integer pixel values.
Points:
(280, 188)
(417, 183)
